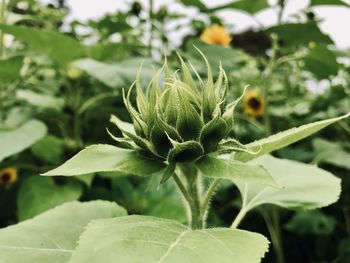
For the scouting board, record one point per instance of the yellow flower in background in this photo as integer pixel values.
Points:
(8, 176)
(254, 105)
(216, 34)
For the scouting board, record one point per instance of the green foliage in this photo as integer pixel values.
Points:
(53, 235)
(328, 2)
(13, 141)
(10, 68)
(308, 32)
(250, 7)
(107, 158)
(321, 62)
(284, 138)
(236, 171)
(311, 223)
(303, 186)
(184, 131)
(58, 47)
(159, 240)
(113, 75)
(34, 188)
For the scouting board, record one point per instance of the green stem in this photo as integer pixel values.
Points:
(239, 217)
(182, 188)
(190, 192)
(2, 21)
(280, 14)
(272, 223)
(196, 217)
(150, 46)
(207, 198)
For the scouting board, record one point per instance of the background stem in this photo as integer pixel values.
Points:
(272, 223)
(150, 46)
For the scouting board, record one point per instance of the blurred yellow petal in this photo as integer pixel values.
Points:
(216, 34)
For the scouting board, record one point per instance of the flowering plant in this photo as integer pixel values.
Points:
(181, 129)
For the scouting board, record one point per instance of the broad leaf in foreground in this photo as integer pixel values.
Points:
(107, 158)
(38, 194)
(149, 239)
(16, 140)
(213, 167)
(304, 186)
(53, 235)
(285, 138)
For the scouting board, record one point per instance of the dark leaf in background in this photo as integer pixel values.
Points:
(321, 62)
(42, 193)
(10, 68)
(328, 2)
(248, 6)
(294, 34)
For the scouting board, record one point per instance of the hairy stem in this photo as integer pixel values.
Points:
(207, 198)
(239, 217)
(182, 188)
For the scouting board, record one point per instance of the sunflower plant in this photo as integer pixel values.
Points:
(181, 130)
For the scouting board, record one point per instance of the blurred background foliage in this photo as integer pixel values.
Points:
(59, 87)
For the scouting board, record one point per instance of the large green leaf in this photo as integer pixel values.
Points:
(148, 239)
(16, 140)
(304, 186)
(248, 6)
(10, 68)
(53, 235)
(331, 153)
(115, 75)
(38, 194)
(213, 167)
(107, 158)
(328, 2)
(321, 61)
(308, 32)
(285, 138)
(57, 46)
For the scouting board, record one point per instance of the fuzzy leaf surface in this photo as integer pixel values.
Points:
(285, 138)
(149, 240)
(107, 158)
(53, 235)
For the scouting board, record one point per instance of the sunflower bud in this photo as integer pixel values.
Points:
(179, 119)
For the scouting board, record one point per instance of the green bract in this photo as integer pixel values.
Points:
(178, 119)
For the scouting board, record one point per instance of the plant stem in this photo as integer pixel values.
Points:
(150, 46)
(239, 217)
(207, 197)
(190, 192)
(2, 21)
(182, 188)
(272, 223)
(196, 217)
